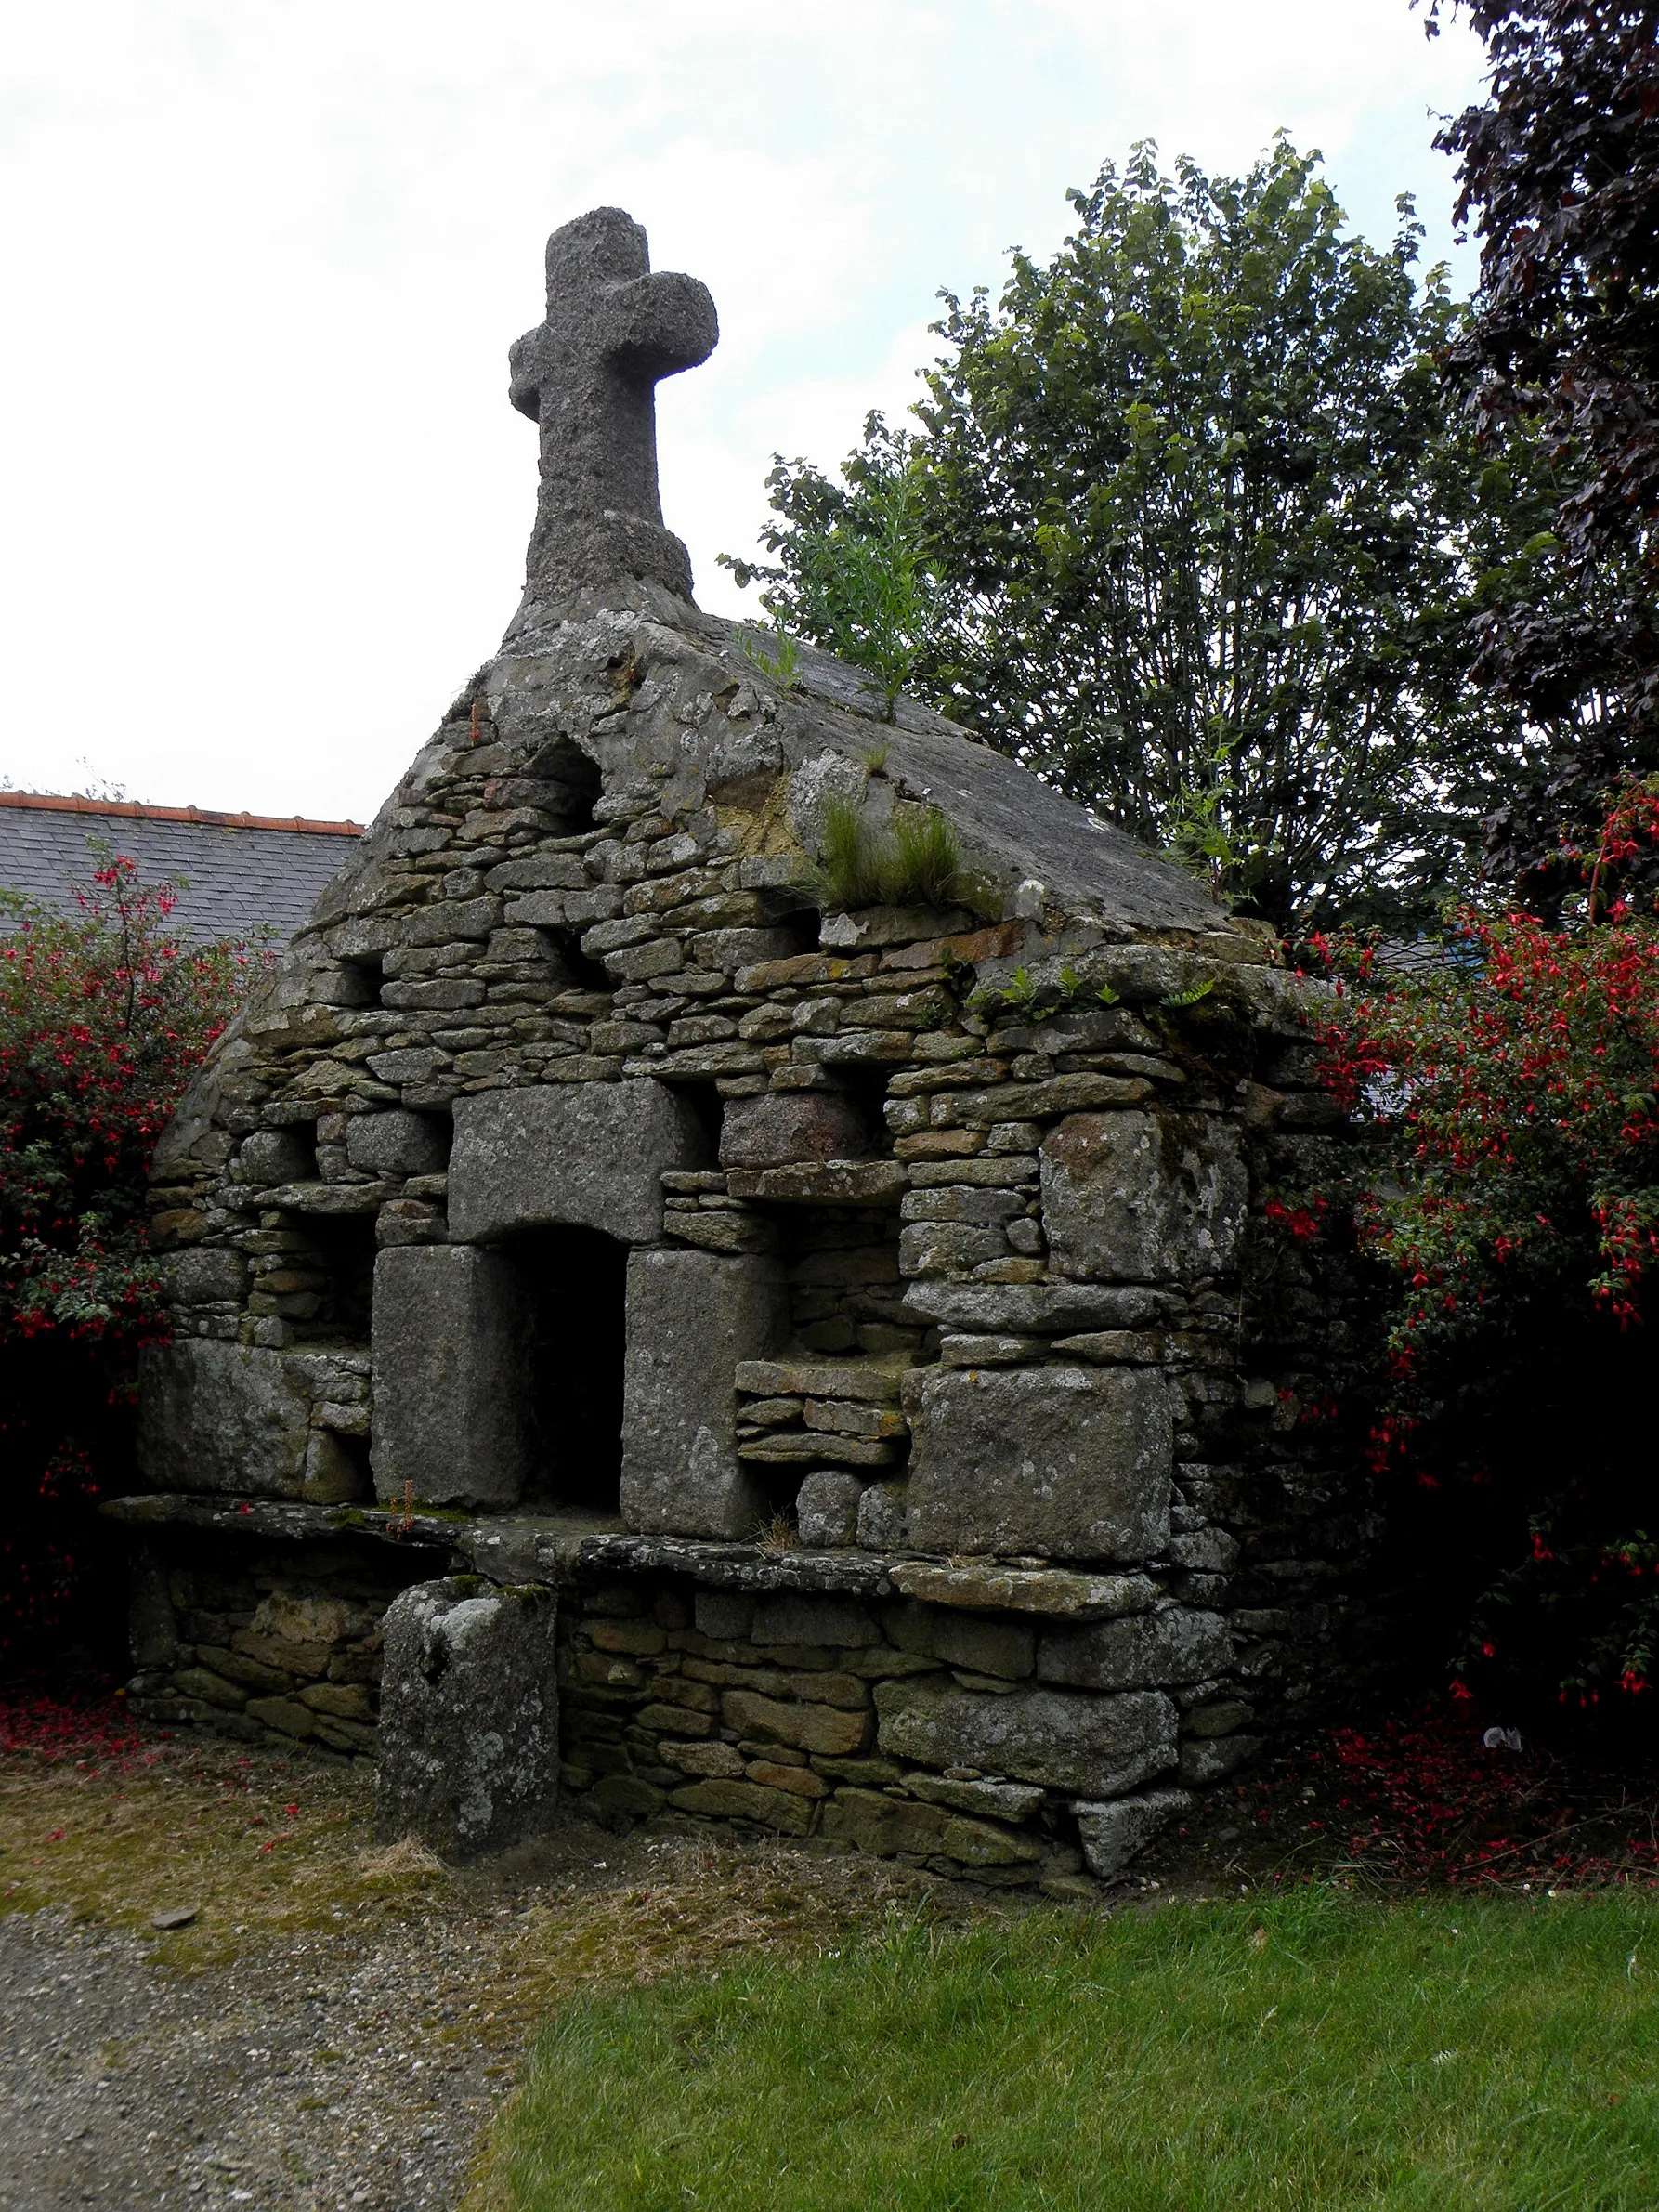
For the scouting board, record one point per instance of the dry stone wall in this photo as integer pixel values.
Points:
(954, 1739)
(272, 1643)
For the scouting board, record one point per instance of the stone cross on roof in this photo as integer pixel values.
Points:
(588, 376)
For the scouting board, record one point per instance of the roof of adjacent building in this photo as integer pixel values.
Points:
(241, 871)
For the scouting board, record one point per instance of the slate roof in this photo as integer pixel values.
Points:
(241, 870)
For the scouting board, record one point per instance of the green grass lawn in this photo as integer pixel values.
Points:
(1315, 2050)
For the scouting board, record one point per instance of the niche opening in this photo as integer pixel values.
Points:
(345, 1245)
(575, 1289)
(574, 783)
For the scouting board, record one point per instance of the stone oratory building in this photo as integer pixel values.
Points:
(649, 1335)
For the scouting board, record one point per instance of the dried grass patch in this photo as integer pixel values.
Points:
(260, 1847)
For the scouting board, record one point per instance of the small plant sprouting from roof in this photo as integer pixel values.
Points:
(918, 863)
(928, 860)
(774, 653)
(861, 584)
(850, 870)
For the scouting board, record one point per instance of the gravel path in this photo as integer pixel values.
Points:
(336, 2026)
(303, 2081)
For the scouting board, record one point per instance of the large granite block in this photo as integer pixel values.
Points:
(588, 1155)
(1142, 1198)
(691, 1318)
(1065, 1462)
(468, 1717)
(228, 1418)
(1090, 1746)
(452, 1416)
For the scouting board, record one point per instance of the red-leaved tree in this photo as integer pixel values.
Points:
(1557, 177)
(1511, 1085)
(104, 1012)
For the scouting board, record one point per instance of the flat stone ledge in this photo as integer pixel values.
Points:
(564, 1547)
(513, 1548)
(721, 1566)
(271, 1517)
(826, 1183)
(308, 1198)
(985, 1586)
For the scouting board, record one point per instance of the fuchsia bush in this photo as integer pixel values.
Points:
(1511, 1086)
(104, 1012)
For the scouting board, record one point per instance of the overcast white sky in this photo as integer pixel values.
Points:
(264, 502)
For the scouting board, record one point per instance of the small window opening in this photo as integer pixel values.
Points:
(574, 784)
(709, 1109)
(344, 1244)
(359, 981)
(787, 909)
(575, 967)
(866, 1089)
(345, 1473)
(575, 1286)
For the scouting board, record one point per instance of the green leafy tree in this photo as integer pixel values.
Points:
(1187, 526)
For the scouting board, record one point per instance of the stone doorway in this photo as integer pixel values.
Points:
(574, 1286)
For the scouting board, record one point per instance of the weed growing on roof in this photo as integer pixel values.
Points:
(918, 861)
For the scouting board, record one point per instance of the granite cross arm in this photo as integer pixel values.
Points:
(587, 376)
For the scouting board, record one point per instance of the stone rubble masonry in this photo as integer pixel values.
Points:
(469, 1740)
(661, 1688)
(265, 1644)
(947, 1256)
(894, 1727)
